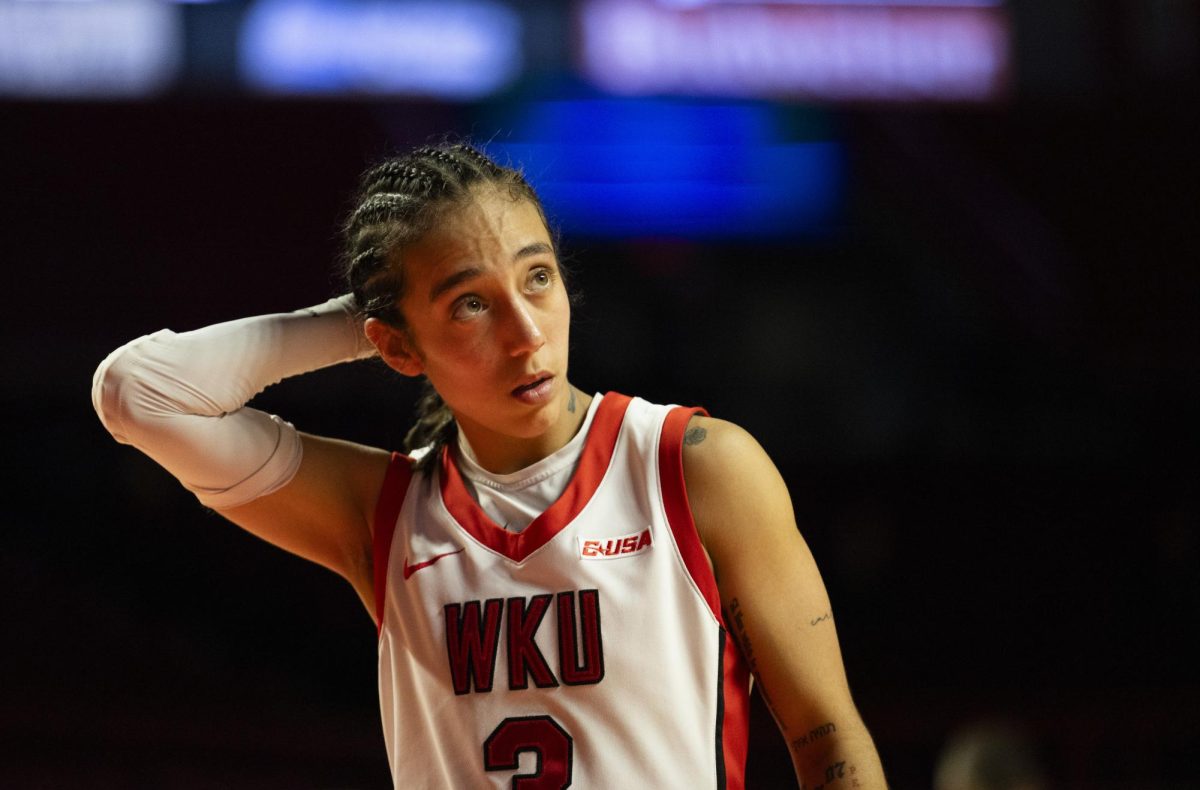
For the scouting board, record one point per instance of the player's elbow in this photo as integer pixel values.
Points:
(109, 381)
(124, 391)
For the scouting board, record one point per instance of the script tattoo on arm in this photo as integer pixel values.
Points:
(834, 774)
(814, 735)
(694, 435)
(820, 619)
(737, 615)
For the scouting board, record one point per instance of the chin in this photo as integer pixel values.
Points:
(541, 420)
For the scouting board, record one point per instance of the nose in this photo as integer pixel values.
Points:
(522, 335)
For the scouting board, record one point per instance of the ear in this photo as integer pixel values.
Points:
(394, 346)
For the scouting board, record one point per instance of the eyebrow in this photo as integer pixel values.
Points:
(537, 248)
(471, 272)
(460, 276)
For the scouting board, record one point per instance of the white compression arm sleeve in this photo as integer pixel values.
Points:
(180, 398)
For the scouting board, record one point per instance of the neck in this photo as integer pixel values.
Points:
(503, 454)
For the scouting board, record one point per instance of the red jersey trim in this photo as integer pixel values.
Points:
(734, 711)
(679, 512)
(593, 464)
(387, 511)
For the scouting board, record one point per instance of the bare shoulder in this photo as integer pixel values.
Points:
(721, 458)
(709, 443)
(733, 487)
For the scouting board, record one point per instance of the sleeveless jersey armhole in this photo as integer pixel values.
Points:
(733, 689)
(387, 511)
(679, 510)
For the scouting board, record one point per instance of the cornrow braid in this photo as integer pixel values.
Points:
(388, 176)
(397, 202)
(442, 156)
(379, 208)
(370, 277)
(480, 159)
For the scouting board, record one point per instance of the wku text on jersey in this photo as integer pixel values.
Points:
(473, 640)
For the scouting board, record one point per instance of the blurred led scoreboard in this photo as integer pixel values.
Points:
(468, 50)
(956, 51)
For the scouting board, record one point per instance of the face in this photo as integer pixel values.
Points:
(488, 319)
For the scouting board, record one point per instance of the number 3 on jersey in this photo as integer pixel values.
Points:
(541, 735)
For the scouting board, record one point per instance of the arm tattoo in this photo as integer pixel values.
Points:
(694, 435)
(820, 619)
(836, 772)
(814, 735)
(739, 629)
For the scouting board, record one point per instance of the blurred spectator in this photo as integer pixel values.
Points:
(988, 755)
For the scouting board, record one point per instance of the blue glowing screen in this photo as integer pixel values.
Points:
(634, 167)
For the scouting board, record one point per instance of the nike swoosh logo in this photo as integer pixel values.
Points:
(409, 570)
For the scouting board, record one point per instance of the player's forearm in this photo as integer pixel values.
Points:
(837, 761)
(179, 397)
(215, 370)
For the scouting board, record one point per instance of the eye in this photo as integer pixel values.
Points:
(467, 307)
(540, 279)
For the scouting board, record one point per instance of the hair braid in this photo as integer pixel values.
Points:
(388, 176)
(379, 208)
(435, 426)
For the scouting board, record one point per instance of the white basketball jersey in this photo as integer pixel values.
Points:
(587, 651)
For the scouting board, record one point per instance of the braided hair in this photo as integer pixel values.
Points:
(398, 201)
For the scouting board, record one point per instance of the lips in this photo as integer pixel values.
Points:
(526, 387)
(534, 390)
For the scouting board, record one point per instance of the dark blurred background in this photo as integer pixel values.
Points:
(940, 258)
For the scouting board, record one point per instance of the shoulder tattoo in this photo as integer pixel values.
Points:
(694, 435)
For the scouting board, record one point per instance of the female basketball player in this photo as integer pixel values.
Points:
(553, 574)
